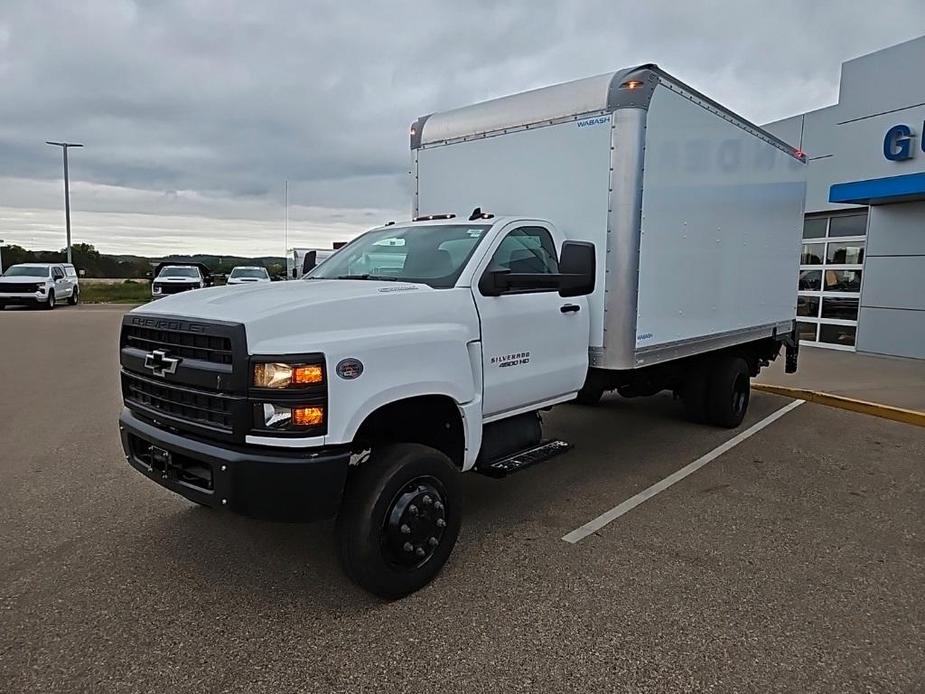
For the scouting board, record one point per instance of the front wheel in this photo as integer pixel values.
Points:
(50, 302)
(74, 298)
(399, 519)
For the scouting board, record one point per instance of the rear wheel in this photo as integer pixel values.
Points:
(694, 393)
(50, 301)
(729, 392)
(399, 519)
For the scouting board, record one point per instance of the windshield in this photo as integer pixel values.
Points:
(256, 272)
(26, 271)
(433, 255)
(180, 272)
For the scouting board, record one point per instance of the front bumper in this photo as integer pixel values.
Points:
(283, 486)
(23, 299)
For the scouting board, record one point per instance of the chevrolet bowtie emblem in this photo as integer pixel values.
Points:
(160, 363)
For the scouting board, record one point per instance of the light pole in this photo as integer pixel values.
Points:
(67, 193)
(1, 256)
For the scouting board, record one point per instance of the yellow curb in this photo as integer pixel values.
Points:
(875, 409)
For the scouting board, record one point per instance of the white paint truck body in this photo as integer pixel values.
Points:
(622, 232)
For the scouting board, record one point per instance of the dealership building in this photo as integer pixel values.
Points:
(862, 272)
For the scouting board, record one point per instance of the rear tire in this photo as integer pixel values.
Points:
(50, 302)
(74, 298)
(729, 392)
(694, 393)
(589, 395)
(399, 519)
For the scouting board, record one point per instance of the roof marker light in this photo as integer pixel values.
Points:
(631, 84)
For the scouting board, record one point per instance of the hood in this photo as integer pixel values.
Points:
(312, 313)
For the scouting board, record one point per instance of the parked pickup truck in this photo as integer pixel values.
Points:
(39, 284)
(619, 232)
(175, 277)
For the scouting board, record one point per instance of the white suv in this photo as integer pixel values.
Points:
(39, 284)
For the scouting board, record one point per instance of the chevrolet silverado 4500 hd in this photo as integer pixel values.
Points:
(618, 232)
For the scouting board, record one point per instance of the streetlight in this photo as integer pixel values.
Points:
(67, 193)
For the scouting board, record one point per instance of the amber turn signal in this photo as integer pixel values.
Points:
(307, 416)
(307, 375)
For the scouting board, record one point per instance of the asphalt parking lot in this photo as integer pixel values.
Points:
(793, 562)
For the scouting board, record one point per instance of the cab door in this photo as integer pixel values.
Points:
(62, 287)
(534, 342)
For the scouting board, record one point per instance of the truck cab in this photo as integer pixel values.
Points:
(426, 339)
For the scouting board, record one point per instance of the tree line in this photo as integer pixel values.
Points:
(95, 264)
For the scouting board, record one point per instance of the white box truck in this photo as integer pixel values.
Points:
(618, 232)
(299, 261)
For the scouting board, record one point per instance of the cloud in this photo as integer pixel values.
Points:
(199, 110)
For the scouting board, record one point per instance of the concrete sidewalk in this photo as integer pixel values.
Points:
(886, 380)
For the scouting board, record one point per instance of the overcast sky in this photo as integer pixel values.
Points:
(194, 112)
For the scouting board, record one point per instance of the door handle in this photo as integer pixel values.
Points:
(570, 308)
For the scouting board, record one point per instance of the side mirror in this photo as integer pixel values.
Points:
(577, 268)
(495, 283)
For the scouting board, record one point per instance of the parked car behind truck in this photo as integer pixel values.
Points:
(175, 277)
(622, 231)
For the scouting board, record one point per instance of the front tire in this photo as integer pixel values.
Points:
(74, 298)
(399, 519)
(50, 302)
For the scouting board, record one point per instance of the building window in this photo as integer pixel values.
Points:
(848, 225)
(831, 268)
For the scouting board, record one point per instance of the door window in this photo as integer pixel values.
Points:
(57, 274)
(527, 250)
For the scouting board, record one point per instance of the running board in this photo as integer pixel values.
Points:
(518, 461)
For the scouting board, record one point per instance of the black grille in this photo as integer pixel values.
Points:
(176, 287)
(205, 393)
(19, 287)
(191, 405)
(211, 348)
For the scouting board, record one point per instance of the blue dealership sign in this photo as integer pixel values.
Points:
(897, 143)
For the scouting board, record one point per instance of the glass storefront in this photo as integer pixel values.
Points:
(831, 270)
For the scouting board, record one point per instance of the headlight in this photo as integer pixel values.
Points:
(292, 418)
(277, 375)
(156, 289)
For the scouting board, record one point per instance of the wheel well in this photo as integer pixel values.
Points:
(431, 420)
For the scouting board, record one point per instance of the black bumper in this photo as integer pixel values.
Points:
(272, 485)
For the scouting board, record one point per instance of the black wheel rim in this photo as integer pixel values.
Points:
(740, 394)
(415, 523)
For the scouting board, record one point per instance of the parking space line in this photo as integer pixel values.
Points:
(609, 516)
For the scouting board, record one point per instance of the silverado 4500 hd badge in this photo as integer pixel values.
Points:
(516, 359)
